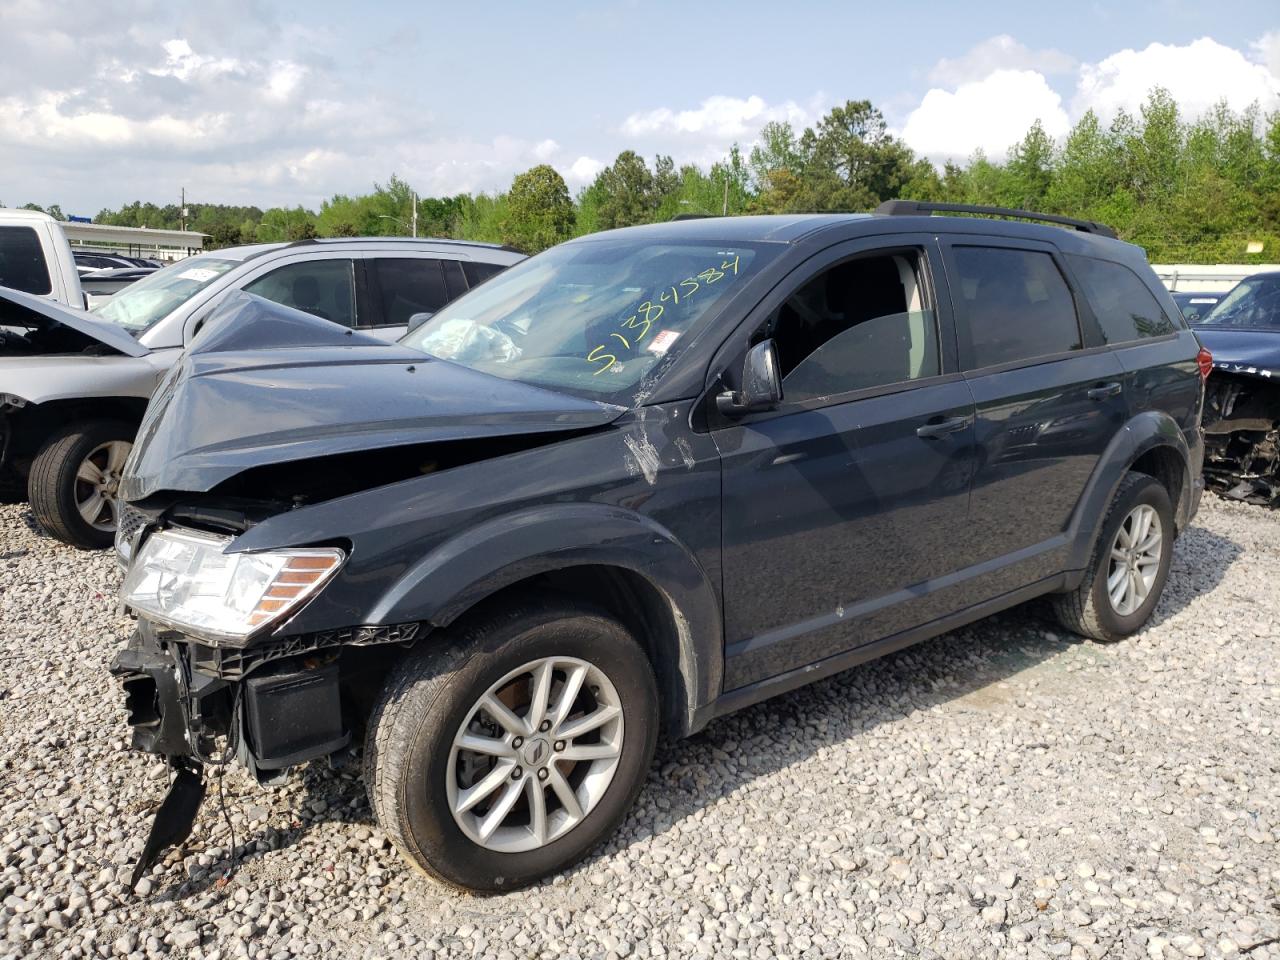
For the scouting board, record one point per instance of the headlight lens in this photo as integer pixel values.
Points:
(183, 579)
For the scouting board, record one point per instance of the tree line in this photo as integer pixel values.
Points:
(1203, 190)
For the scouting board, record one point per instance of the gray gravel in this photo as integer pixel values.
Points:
(1004, 791)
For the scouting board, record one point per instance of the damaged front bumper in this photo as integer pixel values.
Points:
(194, 706)
(184, 699)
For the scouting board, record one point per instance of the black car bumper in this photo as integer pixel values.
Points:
(181, 703)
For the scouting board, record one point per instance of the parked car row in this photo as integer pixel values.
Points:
(74, 385)
(643, 479)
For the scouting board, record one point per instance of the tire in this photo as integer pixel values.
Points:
(1090, 610)
(416, 774)
(54, 488)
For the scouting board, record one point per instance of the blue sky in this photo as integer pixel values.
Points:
(284, 103)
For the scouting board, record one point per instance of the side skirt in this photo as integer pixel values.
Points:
(753, 693)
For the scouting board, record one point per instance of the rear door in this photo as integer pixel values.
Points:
(1049, 399)
(1157, 352)
(841, 506)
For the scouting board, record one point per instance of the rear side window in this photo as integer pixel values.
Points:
(1125, 308)
(408, 287)
(323, 288)
(1012, 305)
(478, 273)
(22, 265)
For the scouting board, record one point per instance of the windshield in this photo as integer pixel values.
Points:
(1253, 302)
(141, 305)
(591, 317)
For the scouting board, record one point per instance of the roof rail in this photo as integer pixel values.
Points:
(449, 240)
(692, 216)
(911, 208)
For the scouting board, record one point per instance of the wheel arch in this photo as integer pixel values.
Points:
(29, 426)
(626, 563)
(1151, 443)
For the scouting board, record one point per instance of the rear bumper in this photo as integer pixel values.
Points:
(284, 713)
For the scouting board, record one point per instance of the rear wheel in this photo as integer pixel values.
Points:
(74, 481)
(513, 752)
(1130, 564)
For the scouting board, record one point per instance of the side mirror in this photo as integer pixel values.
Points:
(418, 319)
(761, 383)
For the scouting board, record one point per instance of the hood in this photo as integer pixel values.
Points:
(1253, 352)
(51, 319)
(264, 384)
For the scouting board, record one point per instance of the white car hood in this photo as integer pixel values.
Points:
(81, 321)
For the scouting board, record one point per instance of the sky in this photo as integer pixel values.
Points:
(287, 103)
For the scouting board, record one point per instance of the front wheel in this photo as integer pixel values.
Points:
(1130, 564)
(511, 752)
(74, 480)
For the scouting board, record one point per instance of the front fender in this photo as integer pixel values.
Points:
(464, 570)
(1144, 432)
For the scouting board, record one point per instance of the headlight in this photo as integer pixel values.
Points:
(184, 580)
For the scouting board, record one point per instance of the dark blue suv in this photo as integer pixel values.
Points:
(638, 481)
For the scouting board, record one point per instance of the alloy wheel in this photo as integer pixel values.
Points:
(1135, 559)
(535, 754)
(98, 483)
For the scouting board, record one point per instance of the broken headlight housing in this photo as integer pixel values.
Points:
(185, 580)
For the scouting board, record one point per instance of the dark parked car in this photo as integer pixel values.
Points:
(645, 478)
(1194, 305)
(1242, 397)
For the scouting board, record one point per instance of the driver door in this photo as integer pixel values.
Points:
(841, 505)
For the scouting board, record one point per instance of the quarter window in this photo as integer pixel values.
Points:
(22, 265)
(860, 324)
(455, 284)
(1125, 308)
(478, 273)
(324, 288)
(409, 286)
(1012, 305)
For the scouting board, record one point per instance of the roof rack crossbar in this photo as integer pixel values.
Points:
(910, 208)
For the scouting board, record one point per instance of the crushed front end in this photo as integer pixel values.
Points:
(212, 677)
(1242, 434)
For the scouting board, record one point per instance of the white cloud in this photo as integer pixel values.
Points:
(988, 98)
(1000, 52)
(989, 114)
(718, 117)
(1197, 75)
(185, 64)
(1267, 51)
(584, 170)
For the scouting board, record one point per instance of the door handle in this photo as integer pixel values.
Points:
(943, 427)
(1104, 391)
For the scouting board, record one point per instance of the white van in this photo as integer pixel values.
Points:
(35, 257)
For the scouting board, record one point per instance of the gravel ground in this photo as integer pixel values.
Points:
(1004, 791)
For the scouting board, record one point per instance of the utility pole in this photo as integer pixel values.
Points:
(725, 211)
(182, 209)
(414, 219)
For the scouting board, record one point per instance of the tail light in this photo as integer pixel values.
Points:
(1204, 360)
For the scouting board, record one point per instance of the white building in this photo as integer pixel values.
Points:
(133, 241)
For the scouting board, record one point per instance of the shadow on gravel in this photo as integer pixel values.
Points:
(689, 775)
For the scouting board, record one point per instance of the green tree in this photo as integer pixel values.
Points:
(624, 193)
(1029, 171)
(539, 211)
